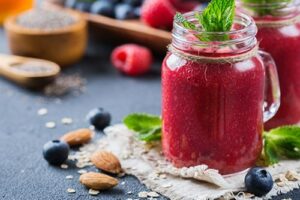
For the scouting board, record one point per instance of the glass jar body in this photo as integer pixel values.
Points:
(283, 43)
(212, 113)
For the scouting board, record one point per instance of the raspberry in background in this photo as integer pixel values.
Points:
(132, 59)
(158, 13)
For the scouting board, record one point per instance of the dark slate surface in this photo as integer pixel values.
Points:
(24, 175)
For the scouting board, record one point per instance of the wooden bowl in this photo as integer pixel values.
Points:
(63, 46)
(125, 31)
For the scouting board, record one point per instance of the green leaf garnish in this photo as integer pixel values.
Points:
(260, 9)
(147, 127)
(282, 142)
(217, 17)
(179, 18)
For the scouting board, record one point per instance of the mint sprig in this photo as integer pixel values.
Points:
(217, 17)
(147, 127)
(260, 9)
(282, 142)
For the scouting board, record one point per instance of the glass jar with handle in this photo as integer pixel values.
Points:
(216, 96)
(279, 34)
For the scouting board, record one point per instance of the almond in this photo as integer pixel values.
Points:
(78, 137)
(97, 181)
(106, 161)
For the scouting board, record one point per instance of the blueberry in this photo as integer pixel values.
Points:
(124, 11)
(70, 3)
(103, 8)
(114, 2)
(56, 152)
(258, 181)
(134, 3)
(83, 6)
(99, 118)
(137, 12)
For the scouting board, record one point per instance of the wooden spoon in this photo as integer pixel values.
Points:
(28, 72)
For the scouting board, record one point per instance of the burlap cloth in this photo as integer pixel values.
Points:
(146, 162)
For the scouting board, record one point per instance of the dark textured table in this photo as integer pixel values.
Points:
(24, 175)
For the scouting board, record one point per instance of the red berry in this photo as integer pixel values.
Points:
(184, 5)
(132, 59)
(158, 13)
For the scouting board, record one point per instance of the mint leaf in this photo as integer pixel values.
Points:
(179, 18)
(147, 127)
(217, 17)
(154, 134)
(265, 7)
(282, 142)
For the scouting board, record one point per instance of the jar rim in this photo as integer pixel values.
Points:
(250, 23)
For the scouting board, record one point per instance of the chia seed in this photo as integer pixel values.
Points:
(43, 19)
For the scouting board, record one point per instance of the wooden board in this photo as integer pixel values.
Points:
(125, 31)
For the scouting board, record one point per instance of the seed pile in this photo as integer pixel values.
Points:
(32, 67)
(65, 84)
(43, 19)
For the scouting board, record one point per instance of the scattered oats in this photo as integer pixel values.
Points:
(123, 183)
(153, 194)
(69, 177)
(93, 192)
(66, 121)
(82, 171)
(64, 166)
(129, 199)
(167, 185)
(292, 175)
(143, 194)
(129, 192)
(42, 111)
(50, 125)
(163, 176)
(71, 190)
(281, 184)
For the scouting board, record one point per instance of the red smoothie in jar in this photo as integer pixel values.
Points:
(280, 36)
(212, 111)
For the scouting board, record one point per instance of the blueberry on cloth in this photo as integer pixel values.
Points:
(258, 181)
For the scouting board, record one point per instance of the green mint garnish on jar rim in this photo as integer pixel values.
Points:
(279, 143)
(217, 17)
(265, 7)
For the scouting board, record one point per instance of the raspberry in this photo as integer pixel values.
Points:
(184, 5)
(132, 59)
(158, 13)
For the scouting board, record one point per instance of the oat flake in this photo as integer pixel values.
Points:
(50, 125)
(66, 121)
(71, 190)
(82, 171)
(94, 192)
(42, 111)
(69, 177)
(64, 166)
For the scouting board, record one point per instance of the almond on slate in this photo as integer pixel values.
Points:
(78, 137)
(106, 161)
(97, 181)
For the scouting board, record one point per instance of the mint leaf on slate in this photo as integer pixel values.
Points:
(282, 142)
(148, 127)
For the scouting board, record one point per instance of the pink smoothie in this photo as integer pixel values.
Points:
(212, 113)
(284, 45)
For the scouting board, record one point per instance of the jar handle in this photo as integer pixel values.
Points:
(272, 87)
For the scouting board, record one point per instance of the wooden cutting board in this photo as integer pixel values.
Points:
(125, 31)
